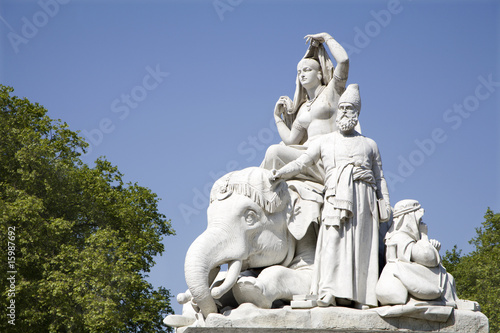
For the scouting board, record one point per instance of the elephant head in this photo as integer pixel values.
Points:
(247, 228)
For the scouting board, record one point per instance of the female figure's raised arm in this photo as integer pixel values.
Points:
(339, 54)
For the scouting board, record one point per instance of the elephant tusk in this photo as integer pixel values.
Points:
(232, 275)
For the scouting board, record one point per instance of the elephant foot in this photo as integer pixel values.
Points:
(251, 290)
(326, 300)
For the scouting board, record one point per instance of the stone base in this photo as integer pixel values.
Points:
(248, 318)
(281, 330)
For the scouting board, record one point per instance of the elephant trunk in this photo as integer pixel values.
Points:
(203, 255)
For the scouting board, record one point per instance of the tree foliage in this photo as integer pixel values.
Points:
(78, 240)
(477, 274)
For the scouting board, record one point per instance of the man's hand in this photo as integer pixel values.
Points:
(436, 244)
(275, 174)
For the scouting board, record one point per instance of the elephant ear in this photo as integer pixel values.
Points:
(305, 206)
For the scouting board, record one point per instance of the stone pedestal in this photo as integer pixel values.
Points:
(248, 318)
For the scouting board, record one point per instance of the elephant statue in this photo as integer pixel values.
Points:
(254, 223)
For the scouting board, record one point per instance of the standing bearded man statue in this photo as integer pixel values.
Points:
(346, 264)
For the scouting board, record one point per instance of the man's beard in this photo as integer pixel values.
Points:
(346, 124)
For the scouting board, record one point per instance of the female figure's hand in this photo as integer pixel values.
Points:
(319, 38)
(284, 104)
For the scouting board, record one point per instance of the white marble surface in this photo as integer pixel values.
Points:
(248, 318)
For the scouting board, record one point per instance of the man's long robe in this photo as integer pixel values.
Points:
(346, 264)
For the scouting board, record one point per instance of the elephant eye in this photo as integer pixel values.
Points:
(251, 216)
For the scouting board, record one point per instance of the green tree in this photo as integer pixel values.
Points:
(78, 241)
(477, 274)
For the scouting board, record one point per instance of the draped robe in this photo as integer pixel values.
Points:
(346, 264)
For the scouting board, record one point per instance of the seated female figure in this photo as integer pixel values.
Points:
(313, 111)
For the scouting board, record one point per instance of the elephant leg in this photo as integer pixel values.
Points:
(249, 289)
(273, 283)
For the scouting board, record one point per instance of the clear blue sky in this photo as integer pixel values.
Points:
(178, 92)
